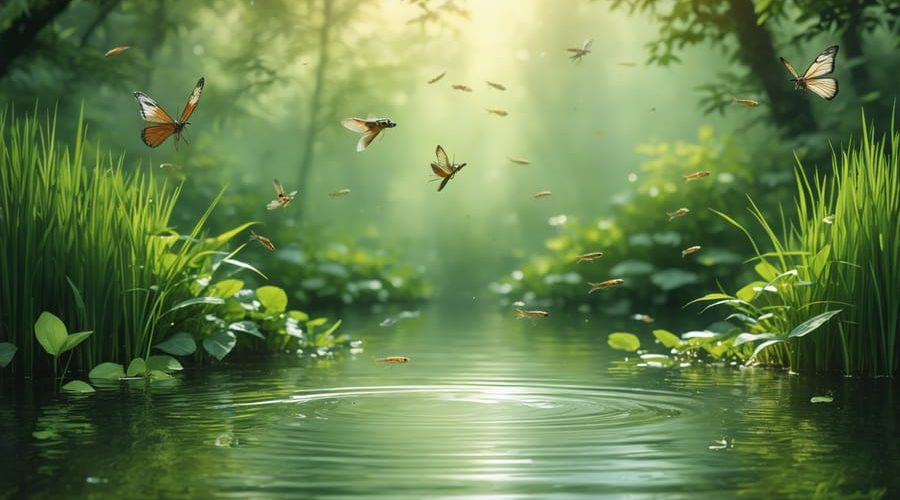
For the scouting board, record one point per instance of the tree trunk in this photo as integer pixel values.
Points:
(791, 111)
(20, 34)
(315, 101)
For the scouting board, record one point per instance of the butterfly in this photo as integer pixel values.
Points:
(826, 88)
(281, 199)
(443, 168)
(154, 135)
(369, 128)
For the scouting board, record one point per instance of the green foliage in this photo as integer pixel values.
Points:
(331, 268)
(89, 240)
(825, 297)
(641, 245)
(93, 242)
(841, 252)
(52, 334)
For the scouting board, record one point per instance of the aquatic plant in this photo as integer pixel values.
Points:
(52, 335)
(89, 240)
(825, 297)
(843, 251)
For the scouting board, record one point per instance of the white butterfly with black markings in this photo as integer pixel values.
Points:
(812, 79)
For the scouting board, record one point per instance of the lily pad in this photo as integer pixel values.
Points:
(107, 371)
(78, 386)
(624, 341)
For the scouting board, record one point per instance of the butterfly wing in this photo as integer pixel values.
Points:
(150, 111)
(355, 124)
(444, 183)
(155, 135)
(790, 68)
(192, 101)
(276, 203)
(823, 65)
(826, 88)
(279, 191)
(587, 45)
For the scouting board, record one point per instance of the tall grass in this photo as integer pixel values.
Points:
(87, 240)
(843, 252)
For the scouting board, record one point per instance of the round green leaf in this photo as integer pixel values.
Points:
(624, 341)
(137, 368)
(113, 371)
(272, 298)
(163, 363)
(7, 351)
(51, 333)
(79, 387)
(219, 344)
(180, 344)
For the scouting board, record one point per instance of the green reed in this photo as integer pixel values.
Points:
(845, 248)
(86, 240)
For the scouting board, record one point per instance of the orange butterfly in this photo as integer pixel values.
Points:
(154, 135)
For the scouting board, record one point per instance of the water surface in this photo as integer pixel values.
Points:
(488, 407)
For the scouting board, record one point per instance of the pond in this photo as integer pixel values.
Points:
(488, 406)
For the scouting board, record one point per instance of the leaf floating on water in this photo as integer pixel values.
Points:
(79, 387)
(624, 341)
(822, 399)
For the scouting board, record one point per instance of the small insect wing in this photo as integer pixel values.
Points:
(443, 161)
(367, 139)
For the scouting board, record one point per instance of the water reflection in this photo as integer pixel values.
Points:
(488, 406)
